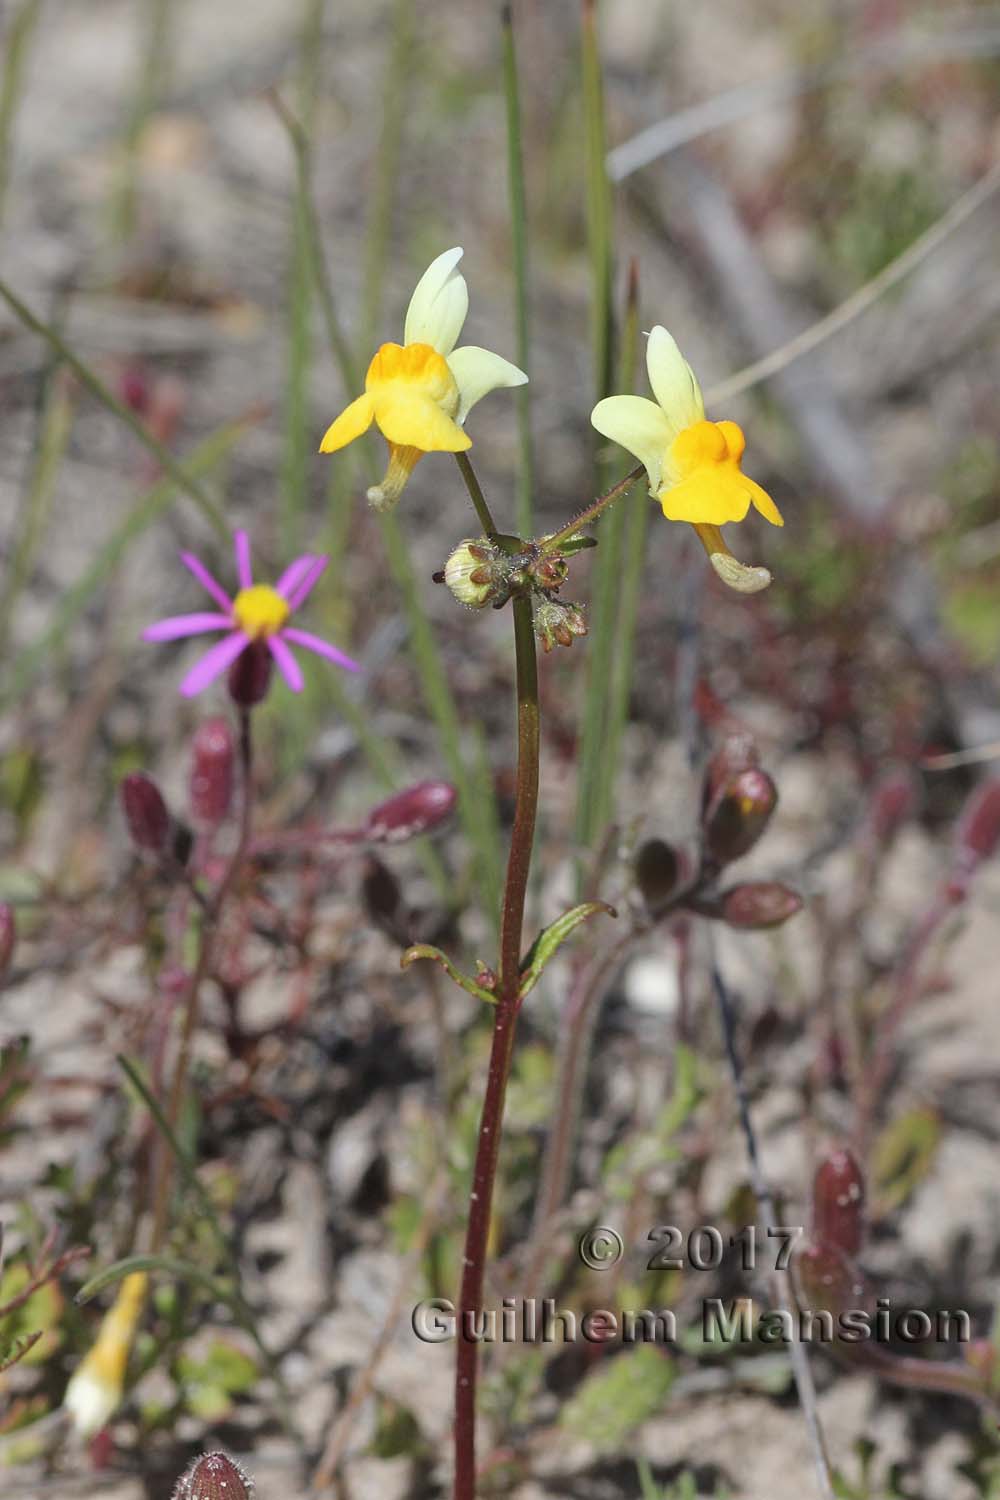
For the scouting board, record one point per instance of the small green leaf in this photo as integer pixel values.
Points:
(424, 950)
(551, 939)
(180, 1270)
(619, 1396)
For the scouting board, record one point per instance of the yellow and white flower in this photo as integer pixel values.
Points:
(95, 1388)
(420, 392)
(693, 465)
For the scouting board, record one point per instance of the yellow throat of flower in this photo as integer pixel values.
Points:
(260, 611)
(417, 366)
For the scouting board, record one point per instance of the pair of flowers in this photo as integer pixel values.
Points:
(419, 394)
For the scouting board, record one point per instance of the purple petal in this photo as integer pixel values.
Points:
(206, 580)
(294, 574)
(177, 626)
(285, 662)
(241, 546)
(321, 648)
(306, 585)
(214, 662)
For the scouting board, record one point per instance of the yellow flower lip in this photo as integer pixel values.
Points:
(706, 484)
(416, 365)
(260, 611)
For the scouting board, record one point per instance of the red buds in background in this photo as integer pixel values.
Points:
(145, 813)
(839, 1203)
(759, 904)
(211, 781)
(737, 814)
(407, 814)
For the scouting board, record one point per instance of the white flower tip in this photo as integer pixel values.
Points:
(737, 575)
(90, 1403)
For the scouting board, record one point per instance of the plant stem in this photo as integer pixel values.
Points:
(209, 928)
(477, 497)
(504, 1022)
(591, 512)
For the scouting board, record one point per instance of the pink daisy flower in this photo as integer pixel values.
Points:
(257, 613)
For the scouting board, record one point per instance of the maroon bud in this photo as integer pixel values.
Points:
(415, 810)
(658, 872)
(145, 812)
(839, 1203)
(759, 904)
(893, 799)
(250, 675)
(8, 936)
(830, 1282)
(211, 784)
(214, 1477)
(736, 753)
(738, 814)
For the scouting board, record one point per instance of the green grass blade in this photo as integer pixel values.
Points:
(151, 85)
(182, 478)
(298, 443)
(626, 530)
(15, 52)
(33, 659)
(393, 97)
(519, 248)
(593, 776)
(54, 429)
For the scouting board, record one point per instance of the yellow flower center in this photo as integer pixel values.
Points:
(708, 445)
(260, 611)
(415, 365)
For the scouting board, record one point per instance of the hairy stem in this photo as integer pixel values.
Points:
(504, 1022)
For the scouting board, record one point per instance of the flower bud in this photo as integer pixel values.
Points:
(211, 784)
(658, 871)
(96, 1385)
(738, 814)
(415, 810)
(839, 1203)
(250, 675)
(8, 936)
(830, 1282)
(557, 624)
(758, 904)
(145, 812)
(476, 574)
(549, 571)
(976, 836)
(213, 1476)
(736, 753)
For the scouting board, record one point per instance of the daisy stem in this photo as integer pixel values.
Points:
(504, 1022)
(206, 944)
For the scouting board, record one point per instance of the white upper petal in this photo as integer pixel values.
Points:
(673, 380)
(439, 304)
(477, 372)
(638, 425)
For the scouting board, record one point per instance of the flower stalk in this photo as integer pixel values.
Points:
(504, 1024)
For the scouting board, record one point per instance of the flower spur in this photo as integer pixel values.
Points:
(257, 612)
